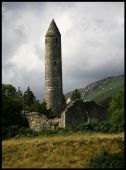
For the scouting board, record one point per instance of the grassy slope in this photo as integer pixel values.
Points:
(58, 151)
(111, 88)
(104, 89)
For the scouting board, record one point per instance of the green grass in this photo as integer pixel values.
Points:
(111, 88)
(70, 151)
(106, 88)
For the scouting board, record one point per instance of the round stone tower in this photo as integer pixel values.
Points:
(53, 69)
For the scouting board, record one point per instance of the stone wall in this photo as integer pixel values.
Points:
(95, 111)
(62, 120)
(78, 112)
(75, 113)
(39, 121)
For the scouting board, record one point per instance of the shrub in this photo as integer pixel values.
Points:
(107, 160)
(26, 132)
(9, 132)
(15, 131)
(104, 126)
(48, 132)
(86, 127)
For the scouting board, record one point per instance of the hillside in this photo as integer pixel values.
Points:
(72, 151)
(100, 90)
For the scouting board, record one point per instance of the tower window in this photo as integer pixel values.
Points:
(45, 40)
(56, 40)
(54, 63)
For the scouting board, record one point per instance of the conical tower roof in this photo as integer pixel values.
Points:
(53, 29)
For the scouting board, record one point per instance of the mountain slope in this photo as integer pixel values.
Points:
(101, 89)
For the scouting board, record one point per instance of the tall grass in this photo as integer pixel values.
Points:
(72, 151)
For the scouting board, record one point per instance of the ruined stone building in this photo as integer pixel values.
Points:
(75, 113)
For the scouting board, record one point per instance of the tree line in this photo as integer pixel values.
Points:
(15, 103)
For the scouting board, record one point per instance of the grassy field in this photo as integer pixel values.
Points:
(70, 151)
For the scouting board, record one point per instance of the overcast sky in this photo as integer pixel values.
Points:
(92, 42)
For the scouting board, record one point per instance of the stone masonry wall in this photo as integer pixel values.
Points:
(78, 112)
(39, 121)
(53, 69)
(75, 113)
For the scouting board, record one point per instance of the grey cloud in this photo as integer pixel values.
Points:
(97, 73)
(92, 42)
(80, 78)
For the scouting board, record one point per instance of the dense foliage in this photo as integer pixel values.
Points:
(116, 109)
(14, 105)
(107, 160)
(42, 109)
(11, 113)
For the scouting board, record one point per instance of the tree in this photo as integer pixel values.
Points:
(11, 107)
(75, 95)
(11, 110)
(19, 94)
(116, 109)
(35, 107)
(11, 113)
(29, 98)
(48, 112)
(8, 90)
(42, 109)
